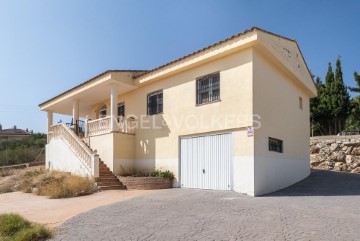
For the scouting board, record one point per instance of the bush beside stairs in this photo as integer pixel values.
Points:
(107, 180)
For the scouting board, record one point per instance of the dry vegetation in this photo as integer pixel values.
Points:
(43, 182)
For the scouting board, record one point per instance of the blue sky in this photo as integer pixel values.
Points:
(47, 47)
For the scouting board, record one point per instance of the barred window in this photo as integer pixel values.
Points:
(155, 102)
(121, 109)
(275, 145)
(208, 88)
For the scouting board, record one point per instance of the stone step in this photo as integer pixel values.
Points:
(106, 174)
(106, 177)
(112, 187)
(103, 184)
(107, 180)
(108, 183)
(100, 179)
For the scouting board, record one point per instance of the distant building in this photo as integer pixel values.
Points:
(13, 133)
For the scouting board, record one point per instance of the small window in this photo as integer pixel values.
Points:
(102, 112)
(275, 145)
(121, 109)
(300, 103)
(208, 88)
(155, 102)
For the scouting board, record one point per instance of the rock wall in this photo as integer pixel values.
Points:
(337, 153)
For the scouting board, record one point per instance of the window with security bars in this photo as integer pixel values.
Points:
(155, 102)
(275, 145)
(208, 88)
(121, 109)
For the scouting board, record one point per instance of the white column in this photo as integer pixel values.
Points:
(50, 121)
(75, 111)
(86, 134)
(113, 107)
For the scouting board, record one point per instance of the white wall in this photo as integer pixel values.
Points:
(60, 157)
(272, 174)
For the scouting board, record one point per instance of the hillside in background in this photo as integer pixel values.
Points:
(26, 150)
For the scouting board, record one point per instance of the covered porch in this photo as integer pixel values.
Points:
(89, 107)
(99, 131)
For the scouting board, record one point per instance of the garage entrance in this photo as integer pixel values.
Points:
(206, 161)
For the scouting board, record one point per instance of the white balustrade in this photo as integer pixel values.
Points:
(126, 125)
(103, 126)
(99, 126)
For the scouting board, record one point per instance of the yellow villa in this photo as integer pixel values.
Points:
(231, 116)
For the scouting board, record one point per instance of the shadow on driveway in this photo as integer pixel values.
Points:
(323, 183)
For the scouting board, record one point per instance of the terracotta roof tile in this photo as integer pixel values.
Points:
(13, 132)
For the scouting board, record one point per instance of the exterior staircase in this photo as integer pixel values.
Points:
(107, 180)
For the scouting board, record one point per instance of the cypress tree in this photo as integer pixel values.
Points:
(326, 97)
(317, 112)
(340, 99)
(357, 80)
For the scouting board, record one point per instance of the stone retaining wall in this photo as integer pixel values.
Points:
(146, 183)
(339, 153)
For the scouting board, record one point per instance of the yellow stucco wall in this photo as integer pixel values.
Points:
(276, 100)
(116, 150)
(182, 117)
(250, 83)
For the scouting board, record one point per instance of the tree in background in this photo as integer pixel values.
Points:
(340, 99)
(28, 149)
(326, 98)
(353, 121)
(317, 112)
(357, 80)
(332, 110)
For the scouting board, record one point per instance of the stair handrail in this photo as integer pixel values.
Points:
(89, 158)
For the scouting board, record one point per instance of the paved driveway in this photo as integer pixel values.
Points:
(325, 206)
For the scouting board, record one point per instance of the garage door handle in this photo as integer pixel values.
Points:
(204, 171)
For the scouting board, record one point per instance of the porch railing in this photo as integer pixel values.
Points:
(99, 126)
(103, 126)
(85, 154)
(126, 125)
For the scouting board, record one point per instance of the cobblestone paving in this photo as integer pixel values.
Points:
(325, 206)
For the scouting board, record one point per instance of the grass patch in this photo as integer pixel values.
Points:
(12, 223)
(56, 184)
(15, 228)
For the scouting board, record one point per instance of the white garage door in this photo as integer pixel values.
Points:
(206, 161)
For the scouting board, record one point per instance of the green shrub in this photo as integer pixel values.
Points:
(155, 173)
(12, 223)
(37, 232)
(166, 174)
(13, 227)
